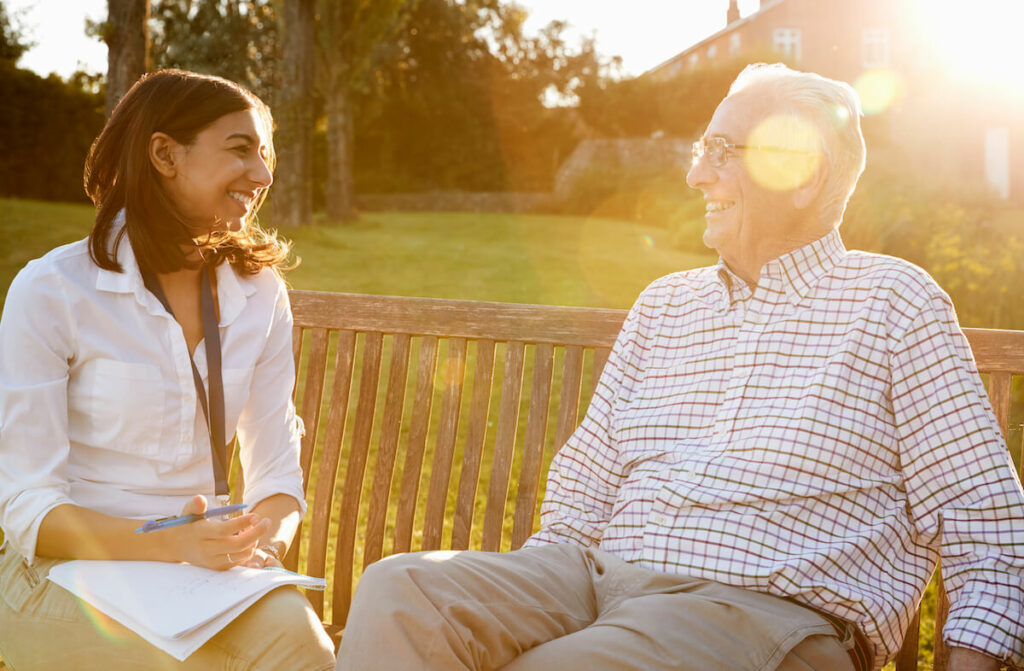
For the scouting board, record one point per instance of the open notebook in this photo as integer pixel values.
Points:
(176, 607)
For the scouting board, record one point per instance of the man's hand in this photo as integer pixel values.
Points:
(217, 544)
(964, 659)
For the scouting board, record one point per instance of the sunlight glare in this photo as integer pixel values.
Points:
(877, 90)
(783, 170)
(978, 40)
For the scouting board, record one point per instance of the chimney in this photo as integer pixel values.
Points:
(733, 14)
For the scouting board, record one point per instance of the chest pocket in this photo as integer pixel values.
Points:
(118, 406)
(237, 383)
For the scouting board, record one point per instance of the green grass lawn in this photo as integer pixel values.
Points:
(510, 258)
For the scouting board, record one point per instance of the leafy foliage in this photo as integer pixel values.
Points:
(972, 245)
(13, 43)
(677, 106)
(235, 39)
(458, 105)
(46, 128)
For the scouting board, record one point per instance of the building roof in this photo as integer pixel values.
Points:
(710, 38)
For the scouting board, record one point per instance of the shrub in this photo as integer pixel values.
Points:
(46, 128)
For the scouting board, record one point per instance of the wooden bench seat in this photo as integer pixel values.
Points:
(420, 412)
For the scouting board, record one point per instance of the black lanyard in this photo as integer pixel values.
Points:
(214, 410)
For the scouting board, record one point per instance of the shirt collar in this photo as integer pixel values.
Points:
(231, 293)
(797, 271)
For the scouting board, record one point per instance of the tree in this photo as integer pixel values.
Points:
(126, 33)
(458, 104)
(293, 194)
(235, 39)
(12, 39)
(353, 38)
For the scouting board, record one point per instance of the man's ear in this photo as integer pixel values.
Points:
(807, 194)
(163, 154)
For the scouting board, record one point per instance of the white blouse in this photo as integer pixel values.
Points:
(98, 407)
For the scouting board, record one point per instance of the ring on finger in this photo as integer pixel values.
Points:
(230, 561)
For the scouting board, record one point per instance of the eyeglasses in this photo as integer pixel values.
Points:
(717, 150)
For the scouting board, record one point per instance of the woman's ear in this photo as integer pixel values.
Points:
(163, 154)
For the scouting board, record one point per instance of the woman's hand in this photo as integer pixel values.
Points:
(261, 559)
(217, 544)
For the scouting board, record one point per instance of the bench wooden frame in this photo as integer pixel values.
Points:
(367, 506)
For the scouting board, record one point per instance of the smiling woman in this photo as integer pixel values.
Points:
(188, 158)
(112, 413)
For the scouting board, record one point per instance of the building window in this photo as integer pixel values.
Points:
(786, 41)
(875, 48)
(712, 51)
(734, 44)
(694, 59)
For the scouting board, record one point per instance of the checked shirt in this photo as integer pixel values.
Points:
(823, 436)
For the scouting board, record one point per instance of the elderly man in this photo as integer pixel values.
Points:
(779, 450)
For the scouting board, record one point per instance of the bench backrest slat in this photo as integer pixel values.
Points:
(453, 374)
(600, 359)
(472, 459)
(312, 397)
(569, 403)
(999, 387)
(418, 429)
(504, 446)
(533, 446)
(387, 450)
(421, 462)
(352, 489)
(330, 457)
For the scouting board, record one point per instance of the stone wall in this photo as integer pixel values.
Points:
(456, 201)
(618, 157)
(625, 155)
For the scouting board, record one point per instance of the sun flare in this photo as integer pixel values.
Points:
(979, 40)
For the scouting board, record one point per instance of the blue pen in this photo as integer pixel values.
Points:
(168, 522)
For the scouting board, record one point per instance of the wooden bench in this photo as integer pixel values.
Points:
(419, 454)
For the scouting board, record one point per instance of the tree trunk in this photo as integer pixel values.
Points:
(341, 205)
(292, 201)
(127, 38)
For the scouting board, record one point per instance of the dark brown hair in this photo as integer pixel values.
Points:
(120, 176)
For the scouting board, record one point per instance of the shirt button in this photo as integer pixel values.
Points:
(659, 519)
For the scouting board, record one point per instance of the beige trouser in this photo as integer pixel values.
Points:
(43, 626)
(565, 608)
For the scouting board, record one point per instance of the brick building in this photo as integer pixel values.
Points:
(937, 120)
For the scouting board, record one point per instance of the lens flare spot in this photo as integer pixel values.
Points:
(784, 152)
(648, 241)
(104, 625)
(877, 90)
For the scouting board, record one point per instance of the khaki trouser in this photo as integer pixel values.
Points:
(565, 608)
(43, 626)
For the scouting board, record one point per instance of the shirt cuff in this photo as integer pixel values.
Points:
(991, 628)
(21, 520)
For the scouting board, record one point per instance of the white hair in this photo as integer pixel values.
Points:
(833, 107)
